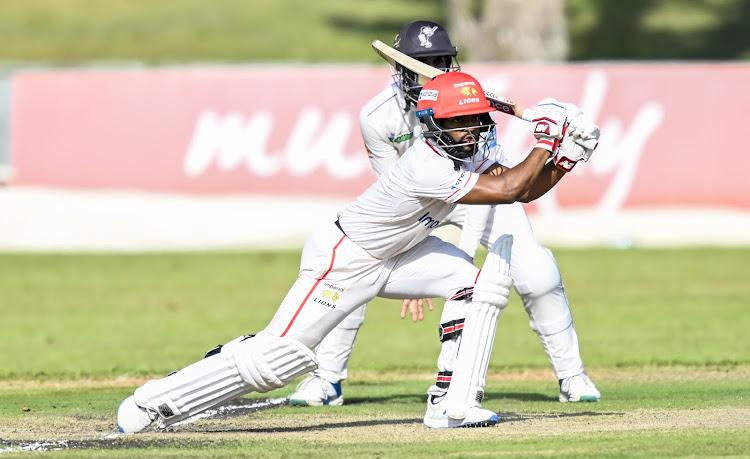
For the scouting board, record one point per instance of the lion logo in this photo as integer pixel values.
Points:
(467, 91)
(330, 295)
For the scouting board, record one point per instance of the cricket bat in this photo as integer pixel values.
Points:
(427, 72)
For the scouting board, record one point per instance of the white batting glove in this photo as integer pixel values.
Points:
(584, 132)
(548, 124)
(571, 110)
(580, 141)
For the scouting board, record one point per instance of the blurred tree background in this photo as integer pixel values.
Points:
(660, 29)
(163, 32)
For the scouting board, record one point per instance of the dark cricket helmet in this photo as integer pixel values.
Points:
(420, 40)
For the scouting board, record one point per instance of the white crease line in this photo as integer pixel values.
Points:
(229, 408)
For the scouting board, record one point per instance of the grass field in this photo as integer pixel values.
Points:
(662, 332)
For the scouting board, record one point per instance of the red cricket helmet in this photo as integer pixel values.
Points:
(450, 95)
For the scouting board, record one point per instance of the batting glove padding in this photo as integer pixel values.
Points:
(584, 132)
(548, 124)
(580, 141)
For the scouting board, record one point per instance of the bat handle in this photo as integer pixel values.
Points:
(526, 114)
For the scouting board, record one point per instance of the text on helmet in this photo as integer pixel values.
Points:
(428, 94)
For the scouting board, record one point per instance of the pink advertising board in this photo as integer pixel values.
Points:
(671, 133)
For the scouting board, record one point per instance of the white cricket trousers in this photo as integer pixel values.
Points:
(337, 276)
(536, 278)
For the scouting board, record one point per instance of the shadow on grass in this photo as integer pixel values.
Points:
(315, 427)
(504, 418)
(394, 398)
(520, 417)
(520, 396)
(243, 407)
(488, 397)
(169, 441)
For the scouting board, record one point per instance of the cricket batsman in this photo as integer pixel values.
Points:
(389, 126)
(380, 245)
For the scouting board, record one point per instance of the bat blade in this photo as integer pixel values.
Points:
(394, 56)
(427, 72)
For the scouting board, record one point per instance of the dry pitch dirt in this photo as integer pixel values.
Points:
(232, 422)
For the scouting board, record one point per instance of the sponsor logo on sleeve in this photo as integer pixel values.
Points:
(398, 138)
(459, 181)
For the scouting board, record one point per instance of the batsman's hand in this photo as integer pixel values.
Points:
(416, 309)
(548, 124)
(580, 141)
(584, 132)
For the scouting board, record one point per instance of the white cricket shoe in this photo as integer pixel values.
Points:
(131, 418)
(316, 391)
(578, 388)
(437, 417)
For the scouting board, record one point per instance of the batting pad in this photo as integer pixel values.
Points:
(490, 296)
(246, 364)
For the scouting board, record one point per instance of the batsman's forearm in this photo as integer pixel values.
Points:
(547, 179)
(510, 185)
(522, 177)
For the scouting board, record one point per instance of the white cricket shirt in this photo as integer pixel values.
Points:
(409, 200)
(388, 129)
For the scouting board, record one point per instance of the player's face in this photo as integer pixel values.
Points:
(439, 62)
(463, 129)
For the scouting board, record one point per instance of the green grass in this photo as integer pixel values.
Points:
(68, 316)
(662, 332)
